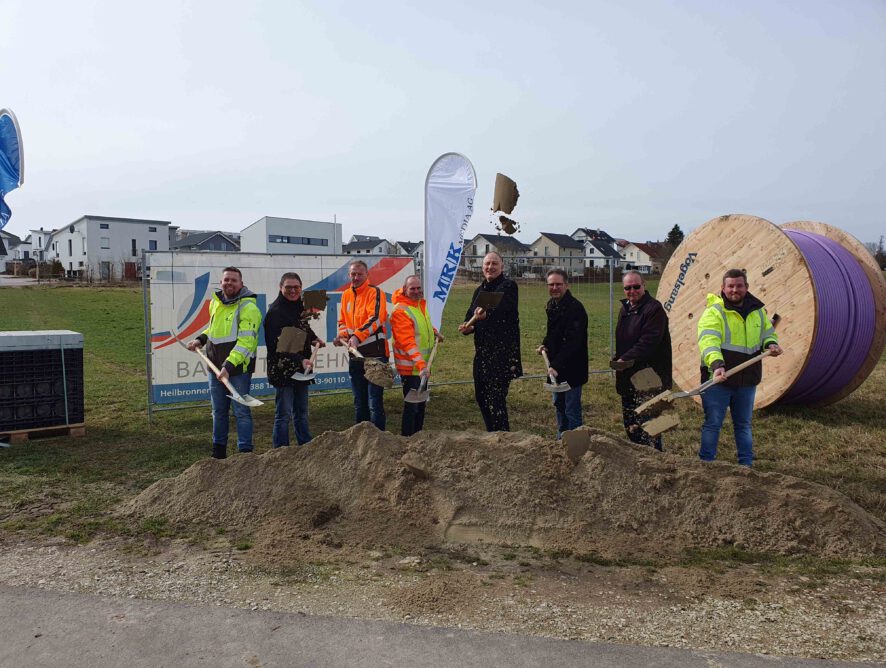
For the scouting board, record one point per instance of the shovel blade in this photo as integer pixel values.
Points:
(246, 400)
(298, 375)
(557, 387)
(416, 397)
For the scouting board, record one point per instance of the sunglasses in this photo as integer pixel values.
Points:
(632, 287)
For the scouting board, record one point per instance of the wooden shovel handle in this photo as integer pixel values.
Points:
(226, 382)
(747, 363)
(355, 352)
(544, 356)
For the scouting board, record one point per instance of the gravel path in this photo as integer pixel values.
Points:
(731, 609)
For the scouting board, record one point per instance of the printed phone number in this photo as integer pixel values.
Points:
(333, 380)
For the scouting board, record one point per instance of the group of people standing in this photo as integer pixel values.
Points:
(733, 328)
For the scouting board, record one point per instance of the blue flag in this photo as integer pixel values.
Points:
(12, 170)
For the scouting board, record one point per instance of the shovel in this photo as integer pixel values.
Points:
(668, 396)
(245, 399)
(421, 395)
(553, 386)
(486, 301)
(299, 375)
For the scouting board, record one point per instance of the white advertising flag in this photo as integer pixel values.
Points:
(449, 204)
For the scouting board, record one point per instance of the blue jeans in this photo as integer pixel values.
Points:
(413, 414)
(218, 397)
(291, 403)
(740, 402)
(368, 398)
(568, 408)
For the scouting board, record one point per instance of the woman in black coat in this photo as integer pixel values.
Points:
(288, 338)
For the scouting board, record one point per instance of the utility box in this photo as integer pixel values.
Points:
(41, 380)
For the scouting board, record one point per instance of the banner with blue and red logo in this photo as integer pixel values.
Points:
(12, 166)
(182, 285)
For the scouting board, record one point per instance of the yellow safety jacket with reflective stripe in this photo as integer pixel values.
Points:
(413, 334)
(232, 335)
(727, 338)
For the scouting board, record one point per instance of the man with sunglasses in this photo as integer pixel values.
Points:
(642, 340)
(733, 328)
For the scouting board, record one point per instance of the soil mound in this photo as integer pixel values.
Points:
(365, 488)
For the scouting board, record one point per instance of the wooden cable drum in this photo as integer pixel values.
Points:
(829, 303)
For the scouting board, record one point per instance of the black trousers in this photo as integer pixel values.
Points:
(492, 398)
(413, 414)
(632, 424)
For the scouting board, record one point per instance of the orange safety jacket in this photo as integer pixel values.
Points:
(413, 334)
(363, 314)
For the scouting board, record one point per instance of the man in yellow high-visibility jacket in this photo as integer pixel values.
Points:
(733, 328)
(231, 340)
(414, 337)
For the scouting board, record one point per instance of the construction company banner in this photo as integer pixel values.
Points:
(182, 285)
(449, 205)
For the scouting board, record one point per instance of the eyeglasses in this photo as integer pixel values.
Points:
(632, 287)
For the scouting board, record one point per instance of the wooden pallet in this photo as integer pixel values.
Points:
(22, 435)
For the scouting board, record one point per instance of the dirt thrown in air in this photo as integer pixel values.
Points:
(363, 488)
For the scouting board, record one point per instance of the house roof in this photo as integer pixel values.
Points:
(563, 240)
(122, 220)
(605, 249)
(201, 237)
(367, 244)
(9, 236)
(599, 235)
(364, 237)
(504, 243)
(409, 246)
(653, 250)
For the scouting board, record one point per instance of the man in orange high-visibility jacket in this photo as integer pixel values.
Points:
(414, 337)
(361, 325)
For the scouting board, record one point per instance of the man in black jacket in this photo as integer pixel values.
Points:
(566, 344)
(496, 344)
(642, 336)
(289, 338)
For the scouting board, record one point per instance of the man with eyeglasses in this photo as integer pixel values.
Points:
(289, 340)
(566, 344)
(642, 339)
(733, 328)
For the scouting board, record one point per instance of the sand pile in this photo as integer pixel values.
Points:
(365, 488)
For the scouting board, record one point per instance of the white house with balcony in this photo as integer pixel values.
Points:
(291, 236)
(104, 248)
(361, 244)
(558, 250)
(600, 249)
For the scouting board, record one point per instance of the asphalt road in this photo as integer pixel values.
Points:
(42, 628)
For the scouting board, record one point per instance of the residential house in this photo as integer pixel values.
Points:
(557, 250)
(361, 244)
(291, 236)
(206, 241)
(648, 258)
(515, 253)
(9, 244)
(106, 248)
(600, 249)
(414, 248)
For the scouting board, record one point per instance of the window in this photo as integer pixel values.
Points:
(303, 241)
(134, 248)
(152, 244)
(70, 246)
(152, 229)
(104, 226)
(83, 243)
(106, 242)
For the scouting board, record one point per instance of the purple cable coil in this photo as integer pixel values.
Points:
(845, 316)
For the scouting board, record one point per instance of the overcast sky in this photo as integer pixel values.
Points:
(625, 115)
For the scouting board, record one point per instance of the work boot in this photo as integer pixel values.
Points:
(219, 450)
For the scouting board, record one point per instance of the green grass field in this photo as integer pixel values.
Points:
(65, 486)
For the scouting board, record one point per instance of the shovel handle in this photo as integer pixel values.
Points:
(424, 381)
(747, 363)
(355, 352)
(544, 356)
(215, 370)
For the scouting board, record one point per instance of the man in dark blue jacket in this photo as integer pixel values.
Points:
(642, 336)
(566, 344)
